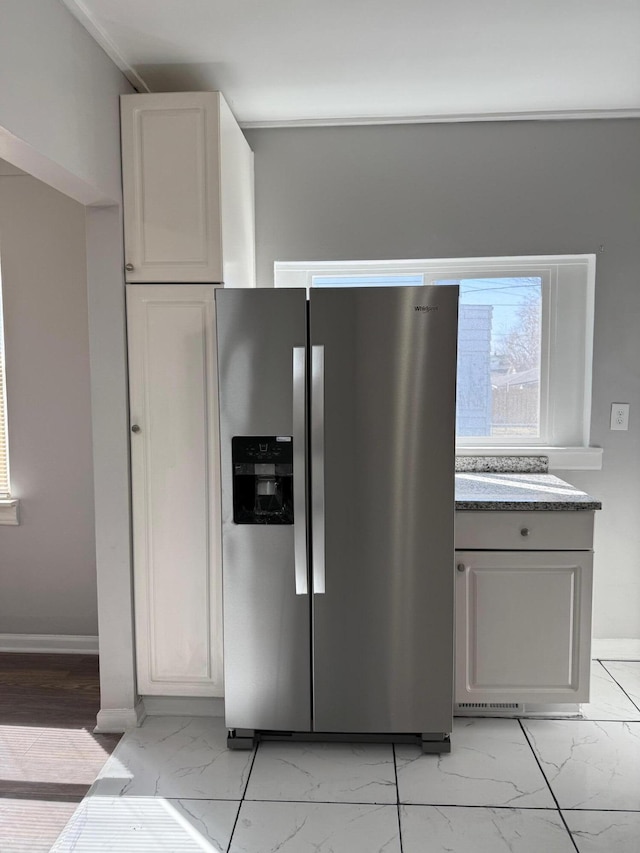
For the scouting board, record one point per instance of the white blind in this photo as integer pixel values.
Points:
(4, 448)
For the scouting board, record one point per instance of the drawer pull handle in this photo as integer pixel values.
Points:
(524, 531)
(461, 567)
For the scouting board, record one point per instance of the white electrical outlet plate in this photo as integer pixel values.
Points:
(620, 416)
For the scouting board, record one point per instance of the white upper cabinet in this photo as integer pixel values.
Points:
(188, 190)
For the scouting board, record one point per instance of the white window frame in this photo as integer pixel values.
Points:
(8, 505)
(568, 292)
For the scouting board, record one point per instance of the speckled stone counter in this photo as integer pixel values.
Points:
(484, 491)
(502, 464)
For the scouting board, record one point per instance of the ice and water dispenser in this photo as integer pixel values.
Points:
(262, 479)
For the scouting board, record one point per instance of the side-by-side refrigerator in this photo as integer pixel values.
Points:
(337, 429)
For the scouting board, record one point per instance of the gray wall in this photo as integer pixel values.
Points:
(47, 568)
(59, 121)
(485, 189)
(59, 101)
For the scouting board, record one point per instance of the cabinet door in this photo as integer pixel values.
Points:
(175, 488)
(523, 629)
(171, 186)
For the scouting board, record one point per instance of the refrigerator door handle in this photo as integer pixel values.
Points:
(299, 465)
(317, 468)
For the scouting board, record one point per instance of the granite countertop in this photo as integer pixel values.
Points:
(517, 491)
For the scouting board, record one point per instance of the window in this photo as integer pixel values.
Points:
(524, 344)
(499, 358)
(4, 448)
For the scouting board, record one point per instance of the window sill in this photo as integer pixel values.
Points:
(560, 458)
(9, 510)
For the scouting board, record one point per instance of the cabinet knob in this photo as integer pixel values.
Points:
(524, 531)
(461, 567)
(128, 267)
(135, 428)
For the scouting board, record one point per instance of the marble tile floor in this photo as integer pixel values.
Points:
(509, 786)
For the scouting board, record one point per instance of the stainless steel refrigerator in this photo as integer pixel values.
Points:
(337, 428)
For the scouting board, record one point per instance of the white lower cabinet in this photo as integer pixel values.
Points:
(523, 617)
(175, 489)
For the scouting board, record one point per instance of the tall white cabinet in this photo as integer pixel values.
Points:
(188, 188)
(175, 489)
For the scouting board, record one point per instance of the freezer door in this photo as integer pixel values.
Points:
(261, 367)
(382, 480)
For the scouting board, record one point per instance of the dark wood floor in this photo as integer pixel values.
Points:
(49, 755)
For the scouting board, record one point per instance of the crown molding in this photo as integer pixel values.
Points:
(525, 115)
(78, 9)
(84, 16)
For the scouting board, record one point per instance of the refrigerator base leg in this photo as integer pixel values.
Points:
(435, 743)
(431, 742)
(241, 739)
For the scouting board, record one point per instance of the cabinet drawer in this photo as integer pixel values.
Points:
(526, 531)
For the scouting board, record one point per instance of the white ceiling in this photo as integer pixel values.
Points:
(346, 61)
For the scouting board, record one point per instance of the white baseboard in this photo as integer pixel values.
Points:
(615, 649)
(119, 720)
(53, 644)
(183, 706)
